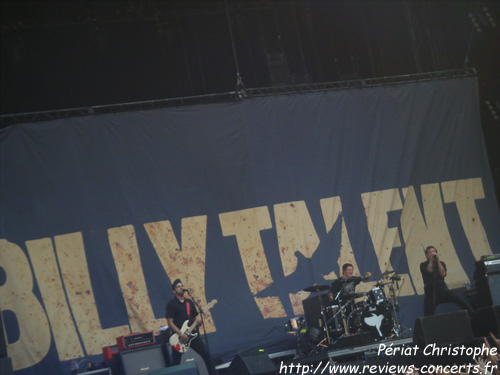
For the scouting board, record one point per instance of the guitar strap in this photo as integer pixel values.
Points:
(188, 308)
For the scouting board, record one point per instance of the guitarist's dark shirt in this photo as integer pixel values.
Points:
(177, 310)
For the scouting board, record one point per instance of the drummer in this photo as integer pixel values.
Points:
(347, 282)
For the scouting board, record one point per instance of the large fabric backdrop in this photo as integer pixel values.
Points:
(247, 202)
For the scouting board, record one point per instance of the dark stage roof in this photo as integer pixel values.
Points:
(89, 54)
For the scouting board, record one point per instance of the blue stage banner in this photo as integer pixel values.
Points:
(248, 203)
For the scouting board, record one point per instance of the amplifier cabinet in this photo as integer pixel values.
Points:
(135, 340)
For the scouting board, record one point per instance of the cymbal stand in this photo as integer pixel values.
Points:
(341, 309)
(342, 315)
(325, 322)
(395, 307)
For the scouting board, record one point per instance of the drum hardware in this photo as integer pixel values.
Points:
(325, 327)
(375, 317)
(355, 295)
(328, 320)
(378, 316)
(336, 311)
(316, 288)
(295, 324)
(384, 274)
(394, 303)
(377, 296)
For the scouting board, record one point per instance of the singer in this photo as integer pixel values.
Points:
(179, 310)
(436, 291)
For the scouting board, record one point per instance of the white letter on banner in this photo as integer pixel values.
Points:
(16, 295)
(246, 226)
(75, 274)
(295, 232)
(187, 262)
(464, 193)
(132, 283)
(49, 281)
(419, 233)
(332, 210)
(384, 239)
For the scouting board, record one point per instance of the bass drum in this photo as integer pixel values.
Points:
(375, 320)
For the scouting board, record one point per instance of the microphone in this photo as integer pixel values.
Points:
(185, 290)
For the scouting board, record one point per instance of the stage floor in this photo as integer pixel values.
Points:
(350, 349)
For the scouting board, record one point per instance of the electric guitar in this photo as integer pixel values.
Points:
(176, 342)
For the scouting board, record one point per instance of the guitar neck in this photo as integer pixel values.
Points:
(193, 326)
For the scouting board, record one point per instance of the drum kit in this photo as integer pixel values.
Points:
(374, 312)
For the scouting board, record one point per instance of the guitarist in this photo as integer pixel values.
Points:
(179, 309)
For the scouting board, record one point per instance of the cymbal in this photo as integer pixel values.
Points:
(354, 295)
(316, 288)
(386, 273)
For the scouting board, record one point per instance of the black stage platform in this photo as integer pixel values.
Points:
(339, 352)
(348, 353)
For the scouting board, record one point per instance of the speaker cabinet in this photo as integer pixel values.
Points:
(442, 329)
(252, 363)
(102, 371)
(192, 357)
(184, 369)
(494, 287)
(486, 320)
(312, 312)
(142, 360)
(487, 286)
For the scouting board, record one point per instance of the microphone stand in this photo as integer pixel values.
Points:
(202, 313)
(434, 280)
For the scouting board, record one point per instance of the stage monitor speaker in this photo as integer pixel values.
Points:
(486, 320)
(101, 371)
(442, 329)
(142, 360)
(192, 357)
(252, 362)
(184, 369)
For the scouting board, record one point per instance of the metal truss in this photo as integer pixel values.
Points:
(241, 93)
(362, 83)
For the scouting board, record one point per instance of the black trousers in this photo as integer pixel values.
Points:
(444, 296)
(198, 345)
